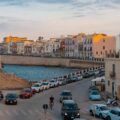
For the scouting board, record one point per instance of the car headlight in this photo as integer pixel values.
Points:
(78, 114)
(66, 114)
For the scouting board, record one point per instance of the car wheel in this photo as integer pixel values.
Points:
(91, 113)
(108, 118)
(100, 116)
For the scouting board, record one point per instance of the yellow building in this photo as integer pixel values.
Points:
(9, 39)
(103, 45)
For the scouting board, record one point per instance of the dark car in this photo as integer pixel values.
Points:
(26, 93)
(91, 73)
(11, 99)
(86, 75)
(1, 95)
(70, 110)
(65, 95)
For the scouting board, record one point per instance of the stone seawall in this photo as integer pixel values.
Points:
(61, 62)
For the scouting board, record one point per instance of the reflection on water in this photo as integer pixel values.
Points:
(35, 73)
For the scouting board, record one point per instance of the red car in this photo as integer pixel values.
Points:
(26, 93)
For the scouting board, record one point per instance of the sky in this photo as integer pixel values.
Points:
(53, 18)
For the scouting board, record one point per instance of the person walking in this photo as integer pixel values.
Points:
(51, 102)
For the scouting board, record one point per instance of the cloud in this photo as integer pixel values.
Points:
(27, 2)
(89, 7)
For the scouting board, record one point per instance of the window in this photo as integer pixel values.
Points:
(106, 52)
(113, 68)
(101, 52)
(108, 83)
(103, 40)
(96, 53)
(103, 47)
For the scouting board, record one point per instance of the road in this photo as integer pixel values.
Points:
(31, 109)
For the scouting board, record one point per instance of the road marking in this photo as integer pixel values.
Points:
(15, 112)
(24, 112)
(7, 112)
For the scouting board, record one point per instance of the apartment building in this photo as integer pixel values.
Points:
(103, 45)
(112, 76)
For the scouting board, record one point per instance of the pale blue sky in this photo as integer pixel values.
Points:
(51, 18)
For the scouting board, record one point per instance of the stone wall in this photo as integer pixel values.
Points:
(62, 62)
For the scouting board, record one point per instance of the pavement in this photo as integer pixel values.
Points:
(31, 109)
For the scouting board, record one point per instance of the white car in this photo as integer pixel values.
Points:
(113, 114)
(60, 81)
(53, 83)
(99, 110)
(45, 85)
(37, 87)
(80, 77)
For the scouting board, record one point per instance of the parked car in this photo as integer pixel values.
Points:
(80, 77)
(74, 79)
(65, 95)
(96, 72)
(93, 88)
(86, 75)
(11, 99)
(99, 110)
(113, 114)
(70, 110)
(94, 95)
(91, 73)
(60, 81)
(26, 93)
(53, 83)
(1, 95)
(45, 85)
(37, 87)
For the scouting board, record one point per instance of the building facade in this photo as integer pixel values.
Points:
(112, 76)
(103, 46)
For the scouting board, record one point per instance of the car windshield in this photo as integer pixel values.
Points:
(11, 96)
(36, 85)
(45, 83)
(102, 108)
(66, 94)
(52, 81)
(95, 93)
(71, 106)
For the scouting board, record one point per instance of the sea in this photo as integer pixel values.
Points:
(37, 73)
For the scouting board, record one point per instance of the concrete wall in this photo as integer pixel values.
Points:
(28, 60)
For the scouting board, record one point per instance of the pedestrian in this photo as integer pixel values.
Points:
(51, 102)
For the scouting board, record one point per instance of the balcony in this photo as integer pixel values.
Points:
(112, 74)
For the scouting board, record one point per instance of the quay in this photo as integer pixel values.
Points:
(44, 61)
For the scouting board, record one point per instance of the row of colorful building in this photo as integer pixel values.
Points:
(73, 46)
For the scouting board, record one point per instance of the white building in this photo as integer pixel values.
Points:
(69, 47)
(51, 47)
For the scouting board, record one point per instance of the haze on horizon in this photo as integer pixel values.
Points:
(52, 18)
